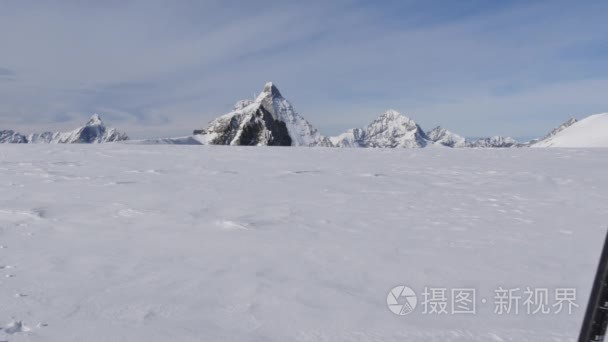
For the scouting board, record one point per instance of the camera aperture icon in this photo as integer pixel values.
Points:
(401, 300)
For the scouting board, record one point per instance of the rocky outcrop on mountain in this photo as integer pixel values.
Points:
(93, 132)
(560, 128)
(12, 137)
(269, 120)
(493, 142)
(442, 136)
(553, 133)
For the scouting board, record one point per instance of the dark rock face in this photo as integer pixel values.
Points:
(89, 134)
(258, 129)
(226, 131)
(261, 125)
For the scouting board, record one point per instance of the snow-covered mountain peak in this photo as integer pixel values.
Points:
(95, 120)
(268, 120)
(394, 115)
(444, 137)
(392, 129)
(437, 132)
(270, 89)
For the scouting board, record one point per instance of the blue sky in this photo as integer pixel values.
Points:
(163, 68)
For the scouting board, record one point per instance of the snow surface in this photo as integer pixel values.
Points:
(591, 131)
(119, 242)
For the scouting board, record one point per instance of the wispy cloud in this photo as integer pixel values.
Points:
(164, 68)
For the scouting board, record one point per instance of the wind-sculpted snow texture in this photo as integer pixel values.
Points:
(118, 242)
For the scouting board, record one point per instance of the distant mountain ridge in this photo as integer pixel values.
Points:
(93, 132)
(271, 120)
(395, 130)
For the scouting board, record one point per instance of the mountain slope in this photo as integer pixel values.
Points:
(560, 128)
(269, 120)
(442, 136)
(591, 131)
(351, 138)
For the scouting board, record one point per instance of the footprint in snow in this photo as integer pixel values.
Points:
(129, 212)
(120, 183)
(36, 213)
(372, 175)
(231, 225)
(15, 327)
(302, 172)
(151, 171)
